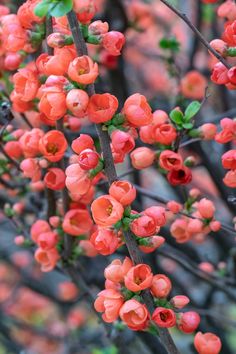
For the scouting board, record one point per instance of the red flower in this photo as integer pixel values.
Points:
(164, 317)
(181, 176)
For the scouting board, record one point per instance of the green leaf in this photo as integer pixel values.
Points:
(170, 44)
(61, 8)
(192, 110)
(187, 125)
(42, 8)
(176, 116)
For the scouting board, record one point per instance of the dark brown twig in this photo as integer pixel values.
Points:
(112, 176)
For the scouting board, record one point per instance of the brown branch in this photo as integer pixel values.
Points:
(112, 176)
(197, 33)
(25, 119)
(68, 240)
(49, 30)
(51, 202)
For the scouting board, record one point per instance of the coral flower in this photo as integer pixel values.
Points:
(102, 107)
(135, 315)
(81, 143)
(113, 42)
(55, 179)
(39, 227)
(137, 110)
(170, 160)
(53, 145)
(77, 222)
(85, 10)
(26, 84)
(207, 343)
(164, 317)
(138, 278)
(47, 259)
(83, 70)
(161, 285)
(193, 85)
(106, 211)
(53, 105)
(117, 270)
(123, 191)
(77, 102)
(104, 241)
(144, 226)
(142, 157)
(189, 321)
(109, 302)
(77, 179)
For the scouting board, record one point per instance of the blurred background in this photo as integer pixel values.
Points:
(43, 313)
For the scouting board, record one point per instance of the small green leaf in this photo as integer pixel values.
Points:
(192, 110)
(61, 8)
(42, 8)
(176, 116)
(187, 125)
(170, 44)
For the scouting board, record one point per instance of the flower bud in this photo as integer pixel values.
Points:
(88, 159)
(161, 286)
(179, 301)
(189, 321)
(142, 157)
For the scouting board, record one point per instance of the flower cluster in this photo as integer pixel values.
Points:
(200, 222)
(121, 298)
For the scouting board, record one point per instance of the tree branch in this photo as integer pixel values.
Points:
(112, 176)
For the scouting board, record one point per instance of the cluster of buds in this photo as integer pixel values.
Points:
(197, 220)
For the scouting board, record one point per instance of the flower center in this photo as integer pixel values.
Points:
(52, 148)
(109, 210)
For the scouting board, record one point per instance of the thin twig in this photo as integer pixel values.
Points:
(167, 251)
(197, 33)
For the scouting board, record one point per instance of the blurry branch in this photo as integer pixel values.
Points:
(6, 337)
(51, 202)
(11, 322)
(197, 33)
(25, 119)
(189, 142)
(49, 30)
(218, 316)
(110, 171)
(171, 253)
(198, 13)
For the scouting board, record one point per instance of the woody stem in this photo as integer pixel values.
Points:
(111, 174)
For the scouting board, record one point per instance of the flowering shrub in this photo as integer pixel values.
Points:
(65, 133)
